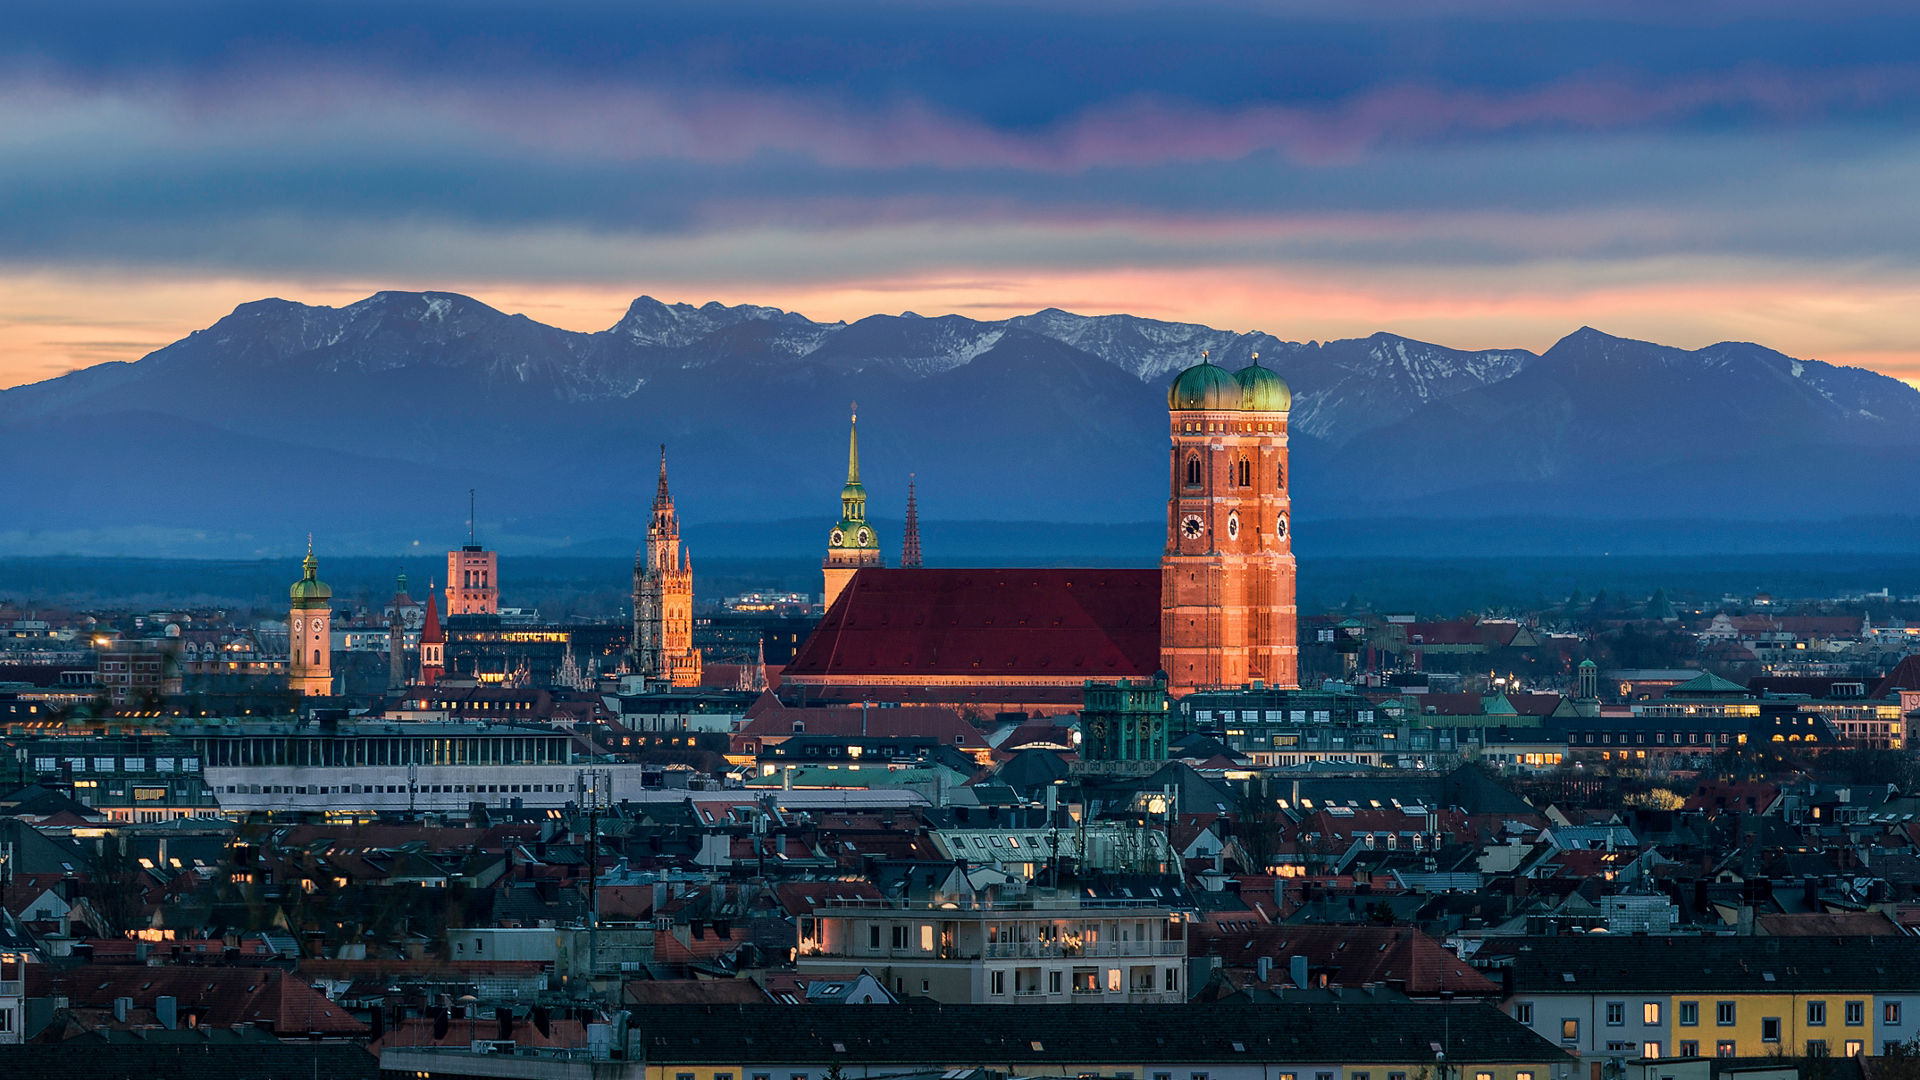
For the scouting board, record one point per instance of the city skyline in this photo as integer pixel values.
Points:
(1457, 177)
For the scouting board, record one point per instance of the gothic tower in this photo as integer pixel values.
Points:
(663, 597)
(910, 538)
(310, 631)
(1227, 577)
(852, 543)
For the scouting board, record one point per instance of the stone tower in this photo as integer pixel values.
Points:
(663, 597)
(852, 543)
(310, 631)
(910, 537)
(473, 575)
(397, 636)
(1227, 576)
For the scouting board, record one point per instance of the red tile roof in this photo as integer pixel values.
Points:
(1346, 955)
(1047, 623)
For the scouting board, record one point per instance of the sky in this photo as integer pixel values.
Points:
(1490, 174)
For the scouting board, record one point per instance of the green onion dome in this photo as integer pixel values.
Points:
(1262, 389)
(1204, 387)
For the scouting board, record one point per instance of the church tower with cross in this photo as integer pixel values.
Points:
(1227, 615)
(852, 544)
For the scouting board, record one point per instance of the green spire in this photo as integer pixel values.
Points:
(853, 530)
(853, 448)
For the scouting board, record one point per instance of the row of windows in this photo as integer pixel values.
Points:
(1087, 981)
(1725, 1014)
(391, 789)
(1239, 473)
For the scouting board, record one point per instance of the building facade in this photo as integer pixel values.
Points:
(1043, 953)
(663, 598)
(473, 581)
(1227, 575)
(852, 544)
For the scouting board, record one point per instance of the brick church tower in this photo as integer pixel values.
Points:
(663, 597)
(1227, 578)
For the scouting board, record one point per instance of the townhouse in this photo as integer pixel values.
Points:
(1636, 996)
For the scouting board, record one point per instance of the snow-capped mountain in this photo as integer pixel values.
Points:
(379, 414)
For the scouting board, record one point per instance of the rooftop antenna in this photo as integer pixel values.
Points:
(470, 540)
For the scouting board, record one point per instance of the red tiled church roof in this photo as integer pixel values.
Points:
(1031, 623)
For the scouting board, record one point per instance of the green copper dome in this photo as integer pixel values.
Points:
(310, 591)
(1204, 387)
(1263, 390)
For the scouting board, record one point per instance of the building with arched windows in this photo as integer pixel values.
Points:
(1219, 611)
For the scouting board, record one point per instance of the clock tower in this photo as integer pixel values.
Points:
(852, 543)
(310, 631)
(1227, 612)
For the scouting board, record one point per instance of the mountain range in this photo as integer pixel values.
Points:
(369, 423)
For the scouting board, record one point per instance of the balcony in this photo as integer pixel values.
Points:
(1054, 950)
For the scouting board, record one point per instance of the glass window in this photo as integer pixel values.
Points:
(1650, 1012)
(1689, 1048)
(1854, 1047)
(1816, 1014)
(1816, 1048)
(1650, 1050)
(1769, 1029)
(1723, 1013)
(1890, 1013)
(1616, 1013)
(1723, 1048)
(1856, 1013)
(1570, 1029)
(1689, 1013)
(1523, 1012)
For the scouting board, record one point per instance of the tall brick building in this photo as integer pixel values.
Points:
(1227, 613)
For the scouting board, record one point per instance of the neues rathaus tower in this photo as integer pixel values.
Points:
(663, 598)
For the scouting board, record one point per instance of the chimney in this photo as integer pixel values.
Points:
(1263, 967)
(1297, 969)
(121, 1006)
(167, 1008)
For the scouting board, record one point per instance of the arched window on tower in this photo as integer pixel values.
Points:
(316, 658)
(1282, 475)
(1193, 470)
(1246, 473)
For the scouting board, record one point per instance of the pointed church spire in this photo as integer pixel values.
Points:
(853, 447)
(660, 495)
(910, 542)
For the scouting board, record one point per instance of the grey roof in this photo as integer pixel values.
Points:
(926, 1034)
(1595, 963)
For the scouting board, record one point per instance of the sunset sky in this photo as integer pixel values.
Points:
(1478, 174)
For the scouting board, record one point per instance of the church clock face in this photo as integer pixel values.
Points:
(1191, 527)
(1281, 527)
(862, 537)
(1233, 525)
(837, 538)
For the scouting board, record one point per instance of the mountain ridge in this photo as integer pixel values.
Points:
(1050, 415)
